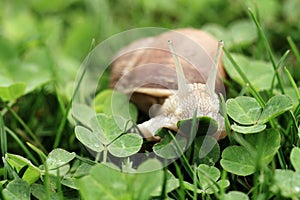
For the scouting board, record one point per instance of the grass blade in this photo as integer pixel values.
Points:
(255, 94)
(223, 110)
(181, 190)
(279, 65)
(41, 154)
(195, 181)
(3, 137)
(25, 149)
(294, 85)
(65, 117)
(269, 50)
(24, 125)
(3, 141)
(294, 48)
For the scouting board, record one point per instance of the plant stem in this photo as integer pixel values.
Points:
(105, 154)
(97, 157)
(47, 181)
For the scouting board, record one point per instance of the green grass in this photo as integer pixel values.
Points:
(42, 156)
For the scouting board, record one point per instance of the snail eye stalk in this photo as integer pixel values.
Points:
(182, 85)
(211, 80)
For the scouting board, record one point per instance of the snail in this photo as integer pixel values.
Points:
(182, 81)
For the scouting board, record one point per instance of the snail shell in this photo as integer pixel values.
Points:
(150, 73)
(145, 68)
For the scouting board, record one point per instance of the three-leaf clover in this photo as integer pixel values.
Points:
(107, 133)
(251, 117)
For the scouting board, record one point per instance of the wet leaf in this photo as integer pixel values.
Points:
(89, 138)
(238, 160)
(275, 106)
(244, 110)
(126, 145)
(17, 189)
(243, 161)
(58, 158)
(107, 128)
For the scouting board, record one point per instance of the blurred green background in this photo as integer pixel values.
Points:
(43, 41)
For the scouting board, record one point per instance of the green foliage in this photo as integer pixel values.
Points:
(206, 150)
(12, 92)
(17, 189)
(19, 163)
(257, 151)
(260, 73)
(235, 195)
(108, 134)
(58, 158)
(244, 110)
(287, 182)
(110, 183)
(209, 179)
(114, 103)
(238, 34)
(170, 148)
(295, 158)
(247, 111)
(43, 43)
(274, 107)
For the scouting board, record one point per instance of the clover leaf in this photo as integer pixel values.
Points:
(243, 161)
(287, 182)
(17, 189)
(209, 179)
(249, 115)
(109, 183)
(108, 133)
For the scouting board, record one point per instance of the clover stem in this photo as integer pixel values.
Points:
(105, 154)
(97, 156)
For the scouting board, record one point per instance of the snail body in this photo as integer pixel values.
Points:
(183, 88)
